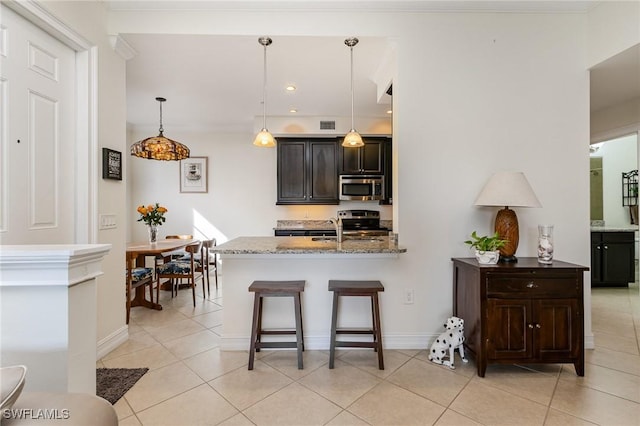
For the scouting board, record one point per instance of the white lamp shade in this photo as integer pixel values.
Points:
(264, 139)
(508, 189)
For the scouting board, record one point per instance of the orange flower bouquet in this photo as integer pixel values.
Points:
(152, 215)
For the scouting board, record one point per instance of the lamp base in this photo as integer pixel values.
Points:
(508, 259)
(507, 228)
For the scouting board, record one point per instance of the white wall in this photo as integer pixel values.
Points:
(473, 94)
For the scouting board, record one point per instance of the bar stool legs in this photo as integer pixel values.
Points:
(264, 289)
(356, 288)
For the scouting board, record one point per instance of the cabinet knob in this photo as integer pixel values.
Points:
(530, 325)
(531, 285)
(537, 325)
(606, 247)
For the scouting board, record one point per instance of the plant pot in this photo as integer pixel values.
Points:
(487, 257)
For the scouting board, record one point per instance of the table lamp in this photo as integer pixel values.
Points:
(508, 189)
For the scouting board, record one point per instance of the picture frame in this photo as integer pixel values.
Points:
(194, 174)
(111, 164)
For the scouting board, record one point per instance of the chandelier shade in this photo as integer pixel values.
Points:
(264, 139)
(353, 138)
(160, 147)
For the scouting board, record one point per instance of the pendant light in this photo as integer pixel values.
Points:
(160, 147)
(264, 138)
(353, 138)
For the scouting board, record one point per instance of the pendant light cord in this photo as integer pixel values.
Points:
(264, 90)
(352, 121)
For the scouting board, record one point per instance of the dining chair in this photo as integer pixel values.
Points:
(181, 269)
(206, 266)
(137, 277)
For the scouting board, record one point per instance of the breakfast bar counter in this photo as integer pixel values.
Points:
(316, 260)
(308, 245)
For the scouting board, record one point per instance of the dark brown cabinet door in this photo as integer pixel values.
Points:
(323, 181)
(307, 171)
(507, 329)
(368, 159)
(556, 324)
(292, 171)
(612, 258)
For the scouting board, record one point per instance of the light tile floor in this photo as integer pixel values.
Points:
(190, 381)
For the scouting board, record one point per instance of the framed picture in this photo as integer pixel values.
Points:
(193, 174)
(111, 164)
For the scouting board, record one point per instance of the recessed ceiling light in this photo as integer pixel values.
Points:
(291, 88)
(293, 110)
(389, 111)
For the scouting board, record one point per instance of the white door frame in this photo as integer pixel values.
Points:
(86, 118)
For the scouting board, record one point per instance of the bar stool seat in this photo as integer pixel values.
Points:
(356, 288)
(264, 289)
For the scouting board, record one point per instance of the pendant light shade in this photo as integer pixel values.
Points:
(159, 147)
(353, 138)
(264, 138)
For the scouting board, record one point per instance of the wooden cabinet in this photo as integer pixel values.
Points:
(521, 312)
(612, 258)
(366, 160)
(307, 171)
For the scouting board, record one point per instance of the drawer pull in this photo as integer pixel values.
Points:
(531, 285)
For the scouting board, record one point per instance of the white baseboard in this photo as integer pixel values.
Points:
(589, 341)
(112, 341)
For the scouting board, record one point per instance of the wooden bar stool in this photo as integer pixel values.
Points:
(356, 288)
(264, 289)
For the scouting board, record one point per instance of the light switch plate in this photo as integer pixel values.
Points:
(108, 221)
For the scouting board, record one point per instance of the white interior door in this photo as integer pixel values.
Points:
(37, 78)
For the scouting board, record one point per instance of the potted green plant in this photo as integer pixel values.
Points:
(486, 247)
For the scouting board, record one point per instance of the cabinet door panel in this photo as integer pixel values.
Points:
(323, 183)
(372, 156)
(291, 172)
(508, 336)
(557, 327)
(618, 262)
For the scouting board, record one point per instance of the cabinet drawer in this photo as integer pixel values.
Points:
(519, 286)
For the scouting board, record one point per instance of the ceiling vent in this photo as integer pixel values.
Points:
(327, 125)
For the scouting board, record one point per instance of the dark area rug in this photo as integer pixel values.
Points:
(112, 383)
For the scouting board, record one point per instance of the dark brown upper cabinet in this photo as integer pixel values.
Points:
(307, 171)
(366, 160)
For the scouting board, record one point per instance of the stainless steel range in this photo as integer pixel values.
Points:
(361, 223)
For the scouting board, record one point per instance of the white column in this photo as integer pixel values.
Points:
(48, 314)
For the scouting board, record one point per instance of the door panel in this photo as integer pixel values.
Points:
(508, 335)
(557, 326)
(38, 155)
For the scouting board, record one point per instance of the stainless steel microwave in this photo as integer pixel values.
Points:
(361, 187)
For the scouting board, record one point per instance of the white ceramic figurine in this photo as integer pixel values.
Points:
(446, 344)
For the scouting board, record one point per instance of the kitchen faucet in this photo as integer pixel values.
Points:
(338, 224)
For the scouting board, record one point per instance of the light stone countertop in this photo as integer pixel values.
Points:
(307, 245)
(626, 228)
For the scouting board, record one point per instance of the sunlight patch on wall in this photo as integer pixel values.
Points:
(205, 230)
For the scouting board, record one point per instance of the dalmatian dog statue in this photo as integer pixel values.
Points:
(446, 344)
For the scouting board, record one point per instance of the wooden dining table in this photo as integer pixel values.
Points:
(136, 256)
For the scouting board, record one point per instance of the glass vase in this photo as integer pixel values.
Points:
(153, 233)
(545, 244)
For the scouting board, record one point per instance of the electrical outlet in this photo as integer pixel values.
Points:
(408, 296)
